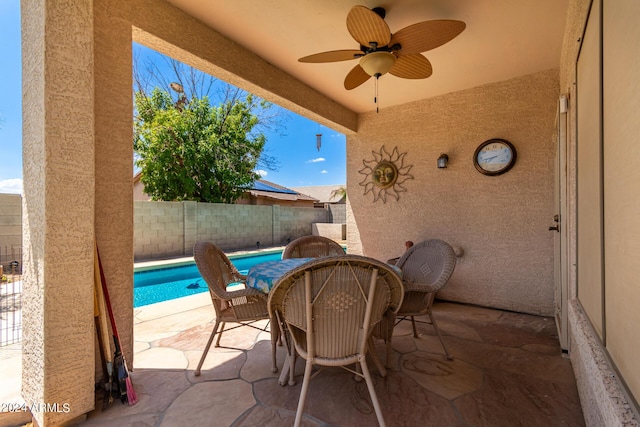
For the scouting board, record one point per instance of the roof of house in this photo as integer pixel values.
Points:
(274, 191)
(263, 188)
(322, 193)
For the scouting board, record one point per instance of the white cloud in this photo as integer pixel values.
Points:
(13, 186)
(262, 172)
(324, 171)
(316, 160)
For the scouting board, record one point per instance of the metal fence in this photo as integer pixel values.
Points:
(10, 295)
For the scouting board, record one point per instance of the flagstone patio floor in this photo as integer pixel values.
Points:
(508, 370)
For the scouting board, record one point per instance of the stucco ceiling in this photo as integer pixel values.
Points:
(503, 39)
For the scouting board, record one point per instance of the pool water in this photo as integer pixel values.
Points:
(162, 284)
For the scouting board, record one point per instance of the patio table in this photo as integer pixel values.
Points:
(264, 275)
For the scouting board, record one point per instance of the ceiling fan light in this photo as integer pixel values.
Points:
(377, 63)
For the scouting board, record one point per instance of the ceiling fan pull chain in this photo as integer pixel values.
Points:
(375, 97)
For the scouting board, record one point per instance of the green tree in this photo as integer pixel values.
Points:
(197, 137)
(339, 193)
(190, 150)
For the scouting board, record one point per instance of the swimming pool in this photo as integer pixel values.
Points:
(165, 283)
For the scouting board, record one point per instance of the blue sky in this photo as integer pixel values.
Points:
(300, 163)
(11, 99)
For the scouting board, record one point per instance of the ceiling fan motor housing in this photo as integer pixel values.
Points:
(380, 11)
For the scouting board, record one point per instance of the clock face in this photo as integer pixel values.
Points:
(494, 157)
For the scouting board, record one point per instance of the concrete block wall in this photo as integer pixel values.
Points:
(338, 213)
(10, 226)
(158, 230)
(170, 229)
(297, 222)
(234, 226)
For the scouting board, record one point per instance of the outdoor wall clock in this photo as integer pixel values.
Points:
(494, 157)
(385, 174)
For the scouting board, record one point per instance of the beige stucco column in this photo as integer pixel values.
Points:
(77, 154)
(58, 149)
(114, 158)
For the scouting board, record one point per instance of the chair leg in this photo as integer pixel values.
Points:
(288, 369)
(289, 360)
(303, 392)
(415, 330)
(292, 366)
(435, 326)
(286, 366)
(374, 357)
(372, 391)
(220, 334)
(389, 352)
(275, 339)
(206, 349)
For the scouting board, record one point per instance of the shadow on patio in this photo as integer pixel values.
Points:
(508, 370)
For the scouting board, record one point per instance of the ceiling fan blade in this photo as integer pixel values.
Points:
(355, 78)
(332, 56)
(366, 26)
(412, 66)
(427, 35)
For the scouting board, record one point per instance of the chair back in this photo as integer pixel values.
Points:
(216, 269)
(331, 304)
(429, 264)
(312, 247)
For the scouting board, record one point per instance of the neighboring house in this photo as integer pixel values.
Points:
(323, 193)
(268, 193)
(138, 189)
(262, 193)
(327, 198)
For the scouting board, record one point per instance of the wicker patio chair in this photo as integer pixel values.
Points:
(329, 307)
(242, 306)
(426, 269)
(312, 247)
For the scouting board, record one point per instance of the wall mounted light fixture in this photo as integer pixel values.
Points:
(442, 161)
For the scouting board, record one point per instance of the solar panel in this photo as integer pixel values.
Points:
(258, 185)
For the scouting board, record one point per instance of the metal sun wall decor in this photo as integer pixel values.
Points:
(385, 174)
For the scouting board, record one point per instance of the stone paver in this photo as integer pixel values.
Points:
(161, 358)
(508, 369)
(447, 378)
(215, 403)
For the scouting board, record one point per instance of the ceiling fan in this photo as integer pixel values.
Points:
(382, 52)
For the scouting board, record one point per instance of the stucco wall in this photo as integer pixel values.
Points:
(58, 218)
(337, 232)
(500, 222)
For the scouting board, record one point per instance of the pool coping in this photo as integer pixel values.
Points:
(176, 262)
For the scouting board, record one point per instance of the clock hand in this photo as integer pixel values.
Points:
(489, 158)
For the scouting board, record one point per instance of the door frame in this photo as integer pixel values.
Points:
(560, 239)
